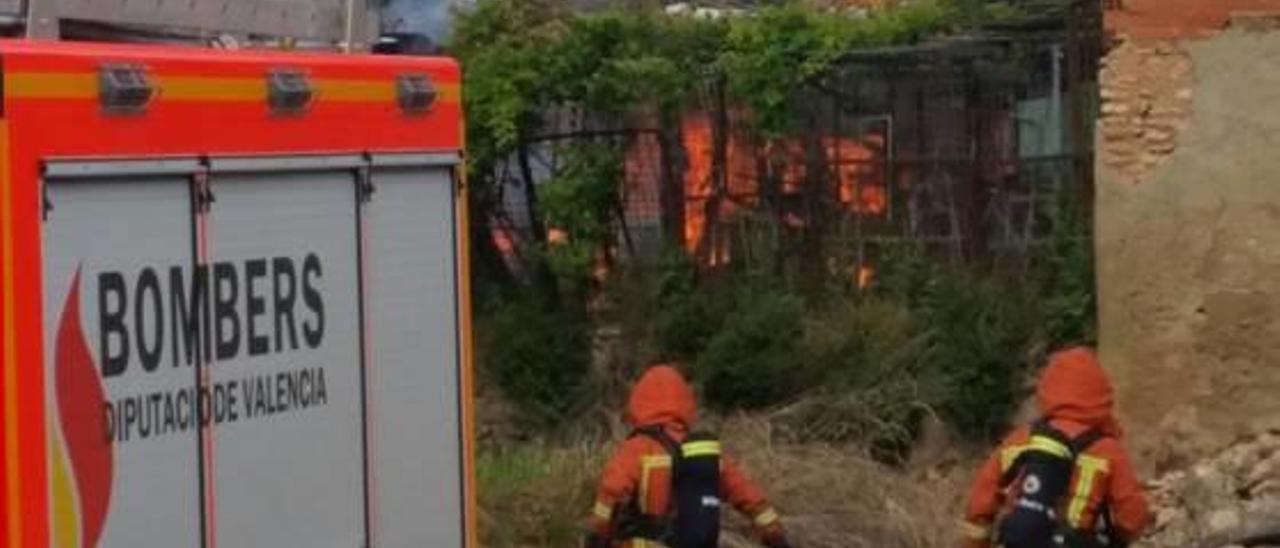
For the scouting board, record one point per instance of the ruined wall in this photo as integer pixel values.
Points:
(1188, 241)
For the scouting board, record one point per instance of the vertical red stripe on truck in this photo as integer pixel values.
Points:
(12, 476)
(26, 204)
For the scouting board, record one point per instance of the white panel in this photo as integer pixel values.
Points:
(128, 239)
(289, 463)
(413, 374)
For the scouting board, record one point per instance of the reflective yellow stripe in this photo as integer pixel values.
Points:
(1088, 469)
(1010, 454)
(1040, 443)
(647, 465)
(766, 518)
(973, 531)
(603, 511)
(700, 448)
(1050, 446)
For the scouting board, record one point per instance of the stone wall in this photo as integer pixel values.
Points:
(1146, 104)
(1188, 242)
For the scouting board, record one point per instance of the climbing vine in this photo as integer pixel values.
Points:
(523, 59)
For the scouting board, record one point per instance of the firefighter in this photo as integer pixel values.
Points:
(1066, 479)
(664, 484)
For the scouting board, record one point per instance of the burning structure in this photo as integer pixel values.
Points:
(966, 146)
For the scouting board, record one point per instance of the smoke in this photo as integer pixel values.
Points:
(430, 17)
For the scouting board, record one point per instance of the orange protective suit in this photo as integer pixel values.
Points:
(1075, 395)
(640, 468)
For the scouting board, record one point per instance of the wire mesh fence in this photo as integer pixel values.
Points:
(974, 148)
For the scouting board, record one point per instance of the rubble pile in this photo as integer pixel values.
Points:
(1230, 499)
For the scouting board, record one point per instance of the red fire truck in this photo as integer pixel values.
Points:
(233, 299)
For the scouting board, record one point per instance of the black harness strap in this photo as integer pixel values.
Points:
(638, 524)
(1085, 440)
(658, 434)
(1041, 427)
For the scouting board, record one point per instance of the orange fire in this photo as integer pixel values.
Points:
(740, 179)
(557, 236)
(503, 240)
(696, 134)
(859, 177)
(866, 275)
(860, 185)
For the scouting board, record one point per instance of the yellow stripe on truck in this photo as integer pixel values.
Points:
(80, 85)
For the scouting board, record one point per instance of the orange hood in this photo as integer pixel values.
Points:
(1075, 388)
(661, 397)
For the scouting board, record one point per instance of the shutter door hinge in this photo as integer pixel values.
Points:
(203, 190)
(46, 203)
(364, 184)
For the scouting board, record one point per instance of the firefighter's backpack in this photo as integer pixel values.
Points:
(694, 518)
(1043, 474)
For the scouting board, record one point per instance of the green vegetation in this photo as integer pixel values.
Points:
(869, 365)
(781, 352)
(535, 494)
(834, 363)
(539, 354)
(524, 56)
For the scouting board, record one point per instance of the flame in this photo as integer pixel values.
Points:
(866, 275)
(83, 469)
(741, 178)
(857, 169)
(503, 240)
(557, 236)
(696, 134)
(859, 182)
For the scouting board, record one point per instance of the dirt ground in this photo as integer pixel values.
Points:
(1189, 264)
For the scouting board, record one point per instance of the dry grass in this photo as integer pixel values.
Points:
(536, 495)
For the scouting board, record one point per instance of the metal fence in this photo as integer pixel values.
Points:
(969, 147)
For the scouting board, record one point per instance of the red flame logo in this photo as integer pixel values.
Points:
(81, 497)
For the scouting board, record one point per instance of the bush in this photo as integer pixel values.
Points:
(539, 355)
(865, 357)
(688, 314)
(755, 360)
(981, 335)
(1066, 271)
(535, 494)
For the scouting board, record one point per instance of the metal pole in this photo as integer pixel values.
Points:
(1055, 101)
(42, 19)
(357, 38)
